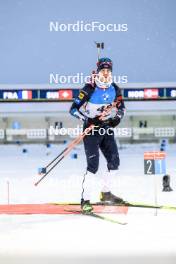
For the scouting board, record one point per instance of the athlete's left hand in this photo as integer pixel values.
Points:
(113, 122)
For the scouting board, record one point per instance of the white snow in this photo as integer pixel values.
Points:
(81, 239)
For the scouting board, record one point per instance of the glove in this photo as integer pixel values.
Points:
(94, 121)
(113, 122)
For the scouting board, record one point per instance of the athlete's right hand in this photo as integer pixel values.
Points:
(94, 121)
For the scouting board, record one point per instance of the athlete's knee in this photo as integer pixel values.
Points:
(92, 170)
(112, 167)
(92, 167)
(114, 163)
(93, 163)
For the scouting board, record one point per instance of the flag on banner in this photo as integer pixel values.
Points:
(152, 93)
(25, 94)
(65, 94)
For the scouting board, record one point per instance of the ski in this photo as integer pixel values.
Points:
(128, 204)
(141, 205)
(92, 214)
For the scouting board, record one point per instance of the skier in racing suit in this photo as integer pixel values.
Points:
(90, 104)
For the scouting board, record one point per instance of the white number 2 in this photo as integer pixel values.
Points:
(149, 167)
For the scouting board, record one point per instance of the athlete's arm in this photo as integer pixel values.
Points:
(82, 98)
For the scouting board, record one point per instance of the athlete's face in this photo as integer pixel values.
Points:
(105, 75)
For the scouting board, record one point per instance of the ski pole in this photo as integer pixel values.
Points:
(48, 165)
(67, 150)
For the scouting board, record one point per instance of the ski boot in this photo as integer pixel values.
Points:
(86, 207)
(108, 197)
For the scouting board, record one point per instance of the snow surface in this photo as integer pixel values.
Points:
(149, 237)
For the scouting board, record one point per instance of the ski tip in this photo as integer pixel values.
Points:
(116, 221)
